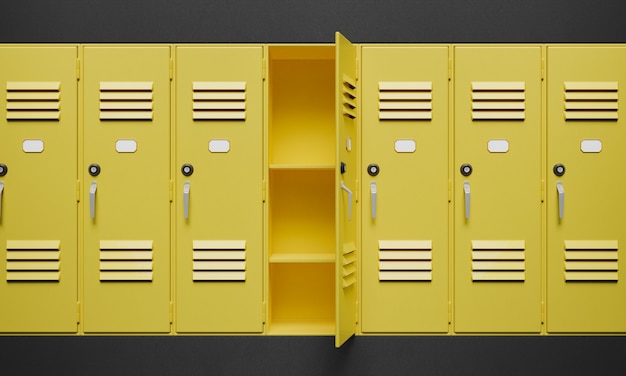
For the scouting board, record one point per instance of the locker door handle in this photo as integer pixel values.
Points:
(186, 189)
(92, 199)
(561, 193)
(373, 193)
(1, 190)
(468, 197)
(343, 186)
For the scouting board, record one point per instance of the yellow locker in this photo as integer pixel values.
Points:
(126, 188)
(405, 189)
(219, 184)
(497, 189)
(586, 207)
(38, 203)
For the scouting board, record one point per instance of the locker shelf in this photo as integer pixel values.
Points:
(284, 166)
(302, 257)
(311, 328)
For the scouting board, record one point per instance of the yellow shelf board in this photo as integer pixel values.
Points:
(301, 166)
(304, 328)
(302, 257)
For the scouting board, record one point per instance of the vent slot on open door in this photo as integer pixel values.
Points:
(349, 97)
(126, 100)
(591, 260)
(126, 260)
(219, 100)
(33, 260)
(349, 264)
(219, 260)
(405, 100)
(498, 100)
(33, 100)
(591, 100)
(498, 260)
(405, 260)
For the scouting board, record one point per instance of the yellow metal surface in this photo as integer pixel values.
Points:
(592, 228)
(219, 259)
(411, 192)
(131, 202)
(38, 209)
(503, 190)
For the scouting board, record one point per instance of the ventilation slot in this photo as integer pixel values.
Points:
(405, 260)
(126, 260)
(405, 100)
(349, 264)
(126, 100)
(349, 97)
(33, 100)
(219, 101)
(591, 101)
(33, 260)
(498, 101)
(591, 260)
(219, 260)
(498, 260)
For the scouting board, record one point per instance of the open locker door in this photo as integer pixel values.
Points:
(346, 185)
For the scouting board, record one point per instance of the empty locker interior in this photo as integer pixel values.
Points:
(38, 203)
(301, 199)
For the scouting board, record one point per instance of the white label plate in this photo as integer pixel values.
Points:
(219, 146)
(591, 146)
(498, 146)
(126, 146)
(32, 146)
(405, 146)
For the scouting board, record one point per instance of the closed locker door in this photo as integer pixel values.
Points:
(405, 189)
(219, 185)
(126, 188)
(497, 189)
(38, 203)
(585, 202)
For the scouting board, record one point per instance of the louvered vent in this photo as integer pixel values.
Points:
(33, 100)
(219, 100)
(405, 100)
(349, 97)
(126, 260)
(349, 264)
(33, 260)
(405, 260)
(498, 260)
(591, 100)
(219, 260)
(498, 100)
(591, 260)
(126, 100)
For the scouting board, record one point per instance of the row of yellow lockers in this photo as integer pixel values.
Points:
(132, 177)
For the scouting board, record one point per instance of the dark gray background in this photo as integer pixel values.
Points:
(292, 21)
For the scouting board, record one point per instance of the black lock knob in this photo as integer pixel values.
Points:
(342, 168)
(3, 169)
(373, 169)
(187, 169)
(466, 169)
(94, 169)
(558, 169)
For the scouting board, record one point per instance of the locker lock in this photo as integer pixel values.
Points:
(373, 169)
(94, 169)
(187, 169)
(466, 169)
(558, 169)
(3, 169)
(342, 168)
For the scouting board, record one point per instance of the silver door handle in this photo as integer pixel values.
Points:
(373, 193)
(561, 193)
(343, 186)
(468, 197)
(186, 189)
(92, 199)
(1, 190)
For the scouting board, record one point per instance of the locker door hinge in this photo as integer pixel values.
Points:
(357, 190)
(264, 312)
(171, 190)
(171, 312)
(449, 69)
(449, 312)
(543, 68)
(356, 312)
(77, 190)
(78, 69)
(543, 190)
(264, 191)
(449, 190)
(356, 74)
(543, 312)
(78, 312)
(264, 68)
(171, 69)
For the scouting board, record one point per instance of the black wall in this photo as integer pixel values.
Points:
(305, 21)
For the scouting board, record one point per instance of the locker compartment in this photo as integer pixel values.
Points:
(585, 203)
(219, 181)
(38, 203)
(404, 173)
(125, 169)
(497, 182)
